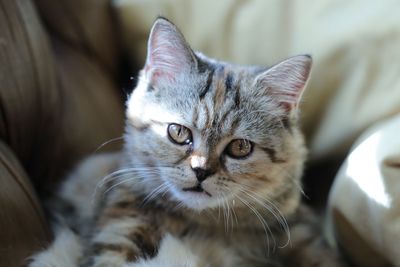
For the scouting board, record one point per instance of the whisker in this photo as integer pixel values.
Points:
(234, 212)
(264, 198)
(224, 213)
(282, 221)
(137, 180)
(153, 194)
(272, 208)
(260, 218)
(179, 205)
(120, 138)
(117, 184)
(169, 185)
(219, 208)
(228, 211)
(132, 170)
(139, 177)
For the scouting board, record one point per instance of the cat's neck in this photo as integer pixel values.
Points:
(218, 219)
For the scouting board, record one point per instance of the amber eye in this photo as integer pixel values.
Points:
(239, 148)
(179, 134)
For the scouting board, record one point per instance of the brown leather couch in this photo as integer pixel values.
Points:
(60, 98)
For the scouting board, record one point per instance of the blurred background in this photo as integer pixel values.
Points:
(66, 68)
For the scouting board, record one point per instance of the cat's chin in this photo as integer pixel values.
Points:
(195, 199)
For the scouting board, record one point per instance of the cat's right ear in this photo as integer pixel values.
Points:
(168, 54)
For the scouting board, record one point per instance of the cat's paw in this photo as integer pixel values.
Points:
(172, 253)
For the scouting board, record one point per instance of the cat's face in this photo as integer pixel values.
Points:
(210, 134)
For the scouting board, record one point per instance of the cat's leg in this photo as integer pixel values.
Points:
(74, 206)
(123, 234)
(83, 189)
(121, 241)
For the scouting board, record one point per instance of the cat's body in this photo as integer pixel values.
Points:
(210, 171)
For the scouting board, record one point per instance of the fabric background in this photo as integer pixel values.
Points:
(367, 189)
(59, 100)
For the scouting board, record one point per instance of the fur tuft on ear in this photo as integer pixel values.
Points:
(286, 80)
(168, 53)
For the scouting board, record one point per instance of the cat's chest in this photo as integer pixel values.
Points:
(213, 239)
(217, 244)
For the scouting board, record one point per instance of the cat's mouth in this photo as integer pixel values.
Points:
(197, 188)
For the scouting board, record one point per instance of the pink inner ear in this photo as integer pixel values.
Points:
(286, 80)
(162, 63)
(290, 99)
(168, 54)
(288, 106)
(158, 74)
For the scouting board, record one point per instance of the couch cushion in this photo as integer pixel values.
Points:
(57, 102)
(364, 203)
(87, 25)
(23, 226)
(28, 87)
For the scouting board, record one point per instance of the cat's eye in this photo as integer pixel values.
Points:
(179, 134)
(239, 148)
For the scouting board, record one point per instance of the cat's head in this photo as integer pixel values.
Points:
(206, 133)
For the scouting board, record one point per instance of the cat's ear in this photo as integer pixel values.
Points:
(286, 80)
(168, 54)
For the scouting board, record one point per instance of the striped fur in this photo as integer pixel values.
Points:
(212, 208)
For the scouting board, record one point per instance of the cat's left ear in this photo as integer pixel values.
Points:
(286, 80)
(168, 54)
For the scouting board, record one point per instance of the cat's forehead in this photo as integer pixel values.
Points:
(218, 103)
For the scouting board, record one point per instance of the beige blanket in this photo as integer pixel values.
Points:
(355, 83)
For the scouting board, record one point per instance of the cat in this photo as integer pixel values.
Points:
(209, 175)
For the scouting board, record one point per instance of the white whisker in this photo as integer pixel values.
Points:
(270, 207)
(264, 224)
(120, 138)
(162, 188)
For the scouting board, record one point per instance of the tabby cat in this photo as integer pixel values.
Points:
(209, 175)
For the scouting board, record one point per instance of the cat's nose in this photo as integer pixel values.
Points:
(198, 161)
(202, 174)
